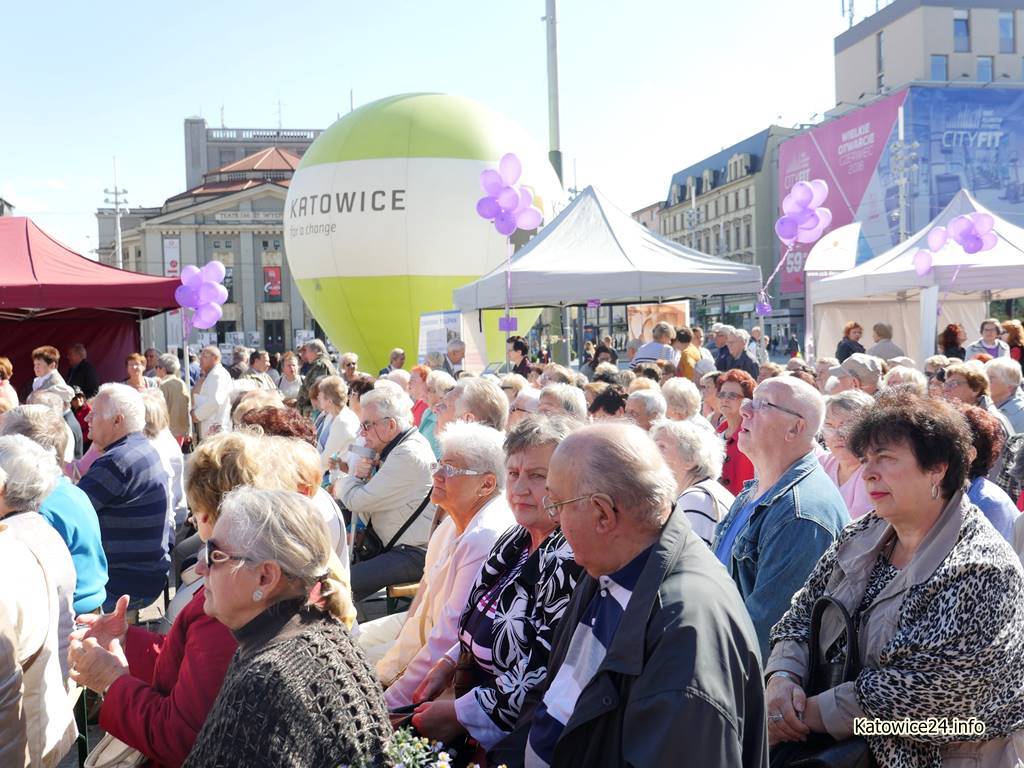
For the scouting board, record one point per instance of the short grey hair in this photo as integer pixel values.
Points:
(49, 399)
(1006, 370)
(157, 417)
(28, 473)
(620, 460)
(939, 361)
(663, 330)
(696, 445)
(556, 374)
(349, 356)
(884, 330)
(485, 400)
(169, 363)
(440, 383)
(851, 401)
(391, 403)
(213, 349)
(456, 344)
(396, 352)
(536, 431)
(317, 345)
(724, 328)
(741, 334)
(681, 395)
(479, 445)
(909, 378)
(400, 376)
(40, 424)
(653, 401)
(570, 399)
(528, 398)
(124, 400)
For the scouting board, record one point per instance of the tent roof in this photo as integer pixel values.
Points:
(892, 275)
(593, 250)
(41, 278)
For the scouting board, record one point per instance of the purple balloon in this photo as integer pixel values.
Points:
(819, 188)
(508, 198)
(922, 262)
(487, 208)
(490, 181)
(525, 200)
(959, 227)
(802, 193)
(763, 308)
(971, 244)
(810, 235)
(824, 217)
(510, 169)
(191, 275)
(529, 218)
(187, 296)
(786, 228)
(790, 207)
(210, 293)
(214, 272)
(988, 241)
(937, 238)
(983, 223)
(505, 223)
(810, 221)
(206, 316)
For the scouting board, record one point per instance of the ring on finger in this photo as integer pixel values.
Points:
(776, 717)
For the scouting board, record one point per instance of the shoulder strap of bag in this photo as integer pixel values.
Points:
(407, 523)
(815, 656)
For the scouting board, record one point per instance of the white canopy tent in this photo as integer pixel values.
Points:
(888, 289)
(593, 250)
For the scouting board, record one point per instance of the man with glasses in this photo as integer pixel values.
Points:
(387, 492)
(655, 646)
(788, 515)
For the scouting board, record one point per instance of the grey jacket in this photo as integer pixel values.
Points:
(976, 348)
(681, 683)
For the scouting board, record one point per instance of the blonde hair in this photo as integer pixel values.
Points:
(157, 417)
(222, 462)
(295, 466)
(642, 382)
(285, 527)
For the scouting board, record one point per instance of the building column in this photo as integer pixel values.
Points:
(245, 295)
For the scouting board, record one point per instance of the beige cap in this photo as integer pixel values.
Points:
(865, 368)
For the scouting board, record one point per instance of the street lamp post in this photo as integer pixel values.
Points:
(118, 194)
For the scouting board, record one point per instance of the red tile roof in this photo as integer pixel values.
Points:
(269, 159)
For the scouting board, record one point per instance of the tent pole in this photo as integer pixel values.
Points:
(929, 305)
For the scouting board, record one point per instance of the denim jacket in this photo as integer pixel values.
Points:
(789, 529)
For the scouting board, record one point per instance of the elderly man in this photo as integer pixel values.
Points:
(858, 371)
(211, 396)
(735, 355)
(128, 488)
(1004, 377)
(454, 357)
(659, 349)
(564, 399)
(58, 399)
(81, 373)
(884, 348)
(396, 361)
(655, 661)
(176, 393)
(480, 400)
(314, 355)
(390, 493)
(646, 406)
(784, 519)
(258, 370)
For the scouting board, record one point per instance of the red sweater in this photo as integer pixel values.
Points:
(160, 707)
(737, 468)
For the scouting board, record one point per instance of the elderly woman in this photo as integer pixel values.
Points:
(517, 601)
(610, 404)
(934, 372)
(822, 366)
(6, 390)
(37, 583)
(841, 465)
(341, 425)
(159, 435)
(468, 486)
(987, 439)
(850, 343)
(968, 383)
(906, 380)
(527, 401)
(359, 386)
(989, 343)
(951, 342)
(512, 384)
(734, 387)
(177, 395)
(291, 380)
(418, 392)
(135, 365)
(682, 401)
(695, 455)
(709, 394)
(299, 691)
(913, 575)
(438, 384)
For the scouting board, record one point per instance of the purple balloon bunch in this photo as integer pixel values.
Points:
(973, 232)
(507, 206)
(804, 220)
(202, 291)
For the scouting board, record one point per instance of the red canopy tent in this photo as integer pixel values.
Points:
(51, 295)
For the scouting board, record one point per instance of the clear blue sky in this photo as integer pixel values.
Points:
(647, 86)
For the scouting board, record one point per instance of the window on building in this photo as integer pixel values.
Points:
(228, 243)
(273, 335)
(277, 245)
(746, 234)
(985, 67)
(216, 245)
(728, 240)
(266, 245)
(225, 327)
(961, 31)
(940, 68)
(880, 60)
(1007, 35)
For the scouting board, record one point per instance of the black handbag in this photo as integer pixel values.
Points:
(821, 750)
(367, 544)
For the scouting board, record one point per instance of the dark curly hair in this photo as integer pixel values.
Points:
(988, 438)
(950, 336)
(736, 376)
(610, 401)
(648, 370)
(360, 385)
(934, 431)
(283, 422)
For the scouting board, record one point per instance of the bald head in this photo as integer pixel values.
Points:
(783, 427)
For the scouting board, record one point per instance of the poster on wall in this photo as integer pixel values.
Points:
(272, 284)
(172, 268)
(436, 330)
(643, 317)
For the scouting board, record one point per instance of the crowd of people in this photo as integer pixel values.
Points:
(693, 557)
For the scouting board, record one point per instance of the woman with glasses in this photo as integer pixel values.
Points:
(299, 691)
(935, 372)
(468, 486)
(733, 388)
(841, 465)
(968, 383)
(516, 602)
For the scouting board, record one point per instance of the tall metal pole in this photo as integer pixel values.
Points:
(118, 195)
(555, 153)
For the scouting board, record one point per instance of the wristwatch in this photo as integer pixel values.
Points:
(783, 673)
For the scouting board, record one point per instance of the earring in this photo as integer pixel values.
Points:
(257, 595)
(935, 490)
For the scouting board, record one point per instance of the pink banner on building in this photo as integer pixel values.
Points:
(844, 152)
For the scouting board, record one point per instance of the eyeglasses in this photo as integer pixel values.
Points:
(953, 383)
(348, 365)
(758, 405)
(551, 507)
(447, 471)
(515, 408)
(730, 396)
(211, 555)
(366, 425)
